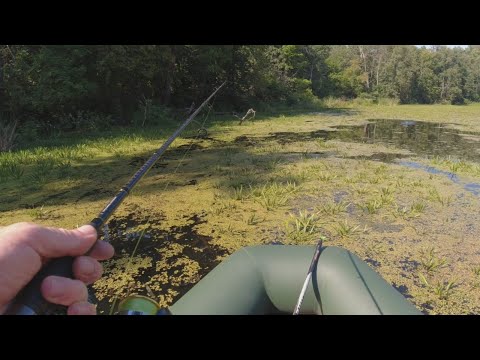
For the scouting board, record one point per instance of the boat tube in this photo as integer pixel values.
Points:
(267, 279)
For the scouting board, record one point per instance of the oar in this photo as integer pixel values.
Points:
(309, 276)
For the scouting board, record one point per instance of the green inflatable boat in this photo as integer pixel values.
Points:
(268, 280)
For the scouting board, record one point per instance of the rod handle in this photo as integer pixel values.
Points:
(30, 300)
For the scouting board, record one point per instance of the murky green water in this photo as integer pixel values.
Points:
(421, 138)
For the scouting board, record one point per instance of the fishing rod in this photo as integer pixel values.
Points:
(30, 300)
(309, 276)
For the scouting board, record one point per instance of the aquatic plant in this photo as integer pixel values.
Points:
(372, 206)
(254, 219)
(430, 261)
(443, 289)
(325, 176)
(38, 213)
(476, 270)
(302, 227)
(334, 208)
(435, 196)
(344, 229)
(239, 193)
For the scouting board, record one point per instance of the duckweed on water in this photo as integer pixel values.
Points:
(227, 194)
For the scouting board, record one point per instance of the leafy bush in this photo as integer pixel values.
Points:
(455, 96)
(85, 120)
(155, 115)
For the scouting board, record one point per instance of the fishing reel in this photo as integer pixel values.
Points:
(140, 305)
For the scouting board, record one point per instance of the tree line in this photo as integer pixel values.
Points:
(75, 85)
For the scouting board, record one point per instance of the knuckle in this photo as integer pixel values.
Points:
(27, 227)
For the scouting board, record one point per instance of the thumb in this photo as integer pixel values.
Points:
(51, 242)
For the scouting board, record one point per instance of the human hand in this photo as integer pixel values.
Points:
(26, 247)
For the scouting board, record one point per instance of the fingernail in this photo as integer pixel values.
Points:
(73, 311)
(88, 266)
(88, 230)
(54, 287)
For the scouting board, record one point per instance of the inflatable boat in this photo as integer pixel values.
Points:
(268, 279)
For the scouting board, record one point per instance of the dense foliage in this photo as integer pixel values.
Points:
(90, 86)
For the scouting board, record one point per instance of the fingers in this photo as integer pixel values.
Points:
(87, 269)
(54, 242)
(63, 291)
(68, 292)
(82, 308)
(102, 251)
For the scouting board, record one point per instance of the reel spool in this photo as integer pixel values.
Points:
(140, 305)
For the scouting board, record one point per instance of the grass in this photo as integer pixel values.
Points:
(303, 227)
(272, 200)
(230, 230)
(273, 163)
(325, 176)
(476, 270)
(413, 211)
(381, 170)
(300, 175)
(245, 193)
(64, 169)
(274, 195)
(443, 289)
(456, 166)
(349, 180)
(334, 208)
(323, 144)
(239, 193)
(386, 195)
(345, 230)
(16, 171)
(418, 207)
(372, 206)
(375, 180)
(387, 191)
(434, 195)
(254, 219)
(403, 212)
(225, 208)
(417, 183)
(361, 190)
(430, 261)
(38, 213)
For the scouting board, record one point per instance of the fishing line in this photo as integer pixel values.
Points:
(128, 267)
(191, 144)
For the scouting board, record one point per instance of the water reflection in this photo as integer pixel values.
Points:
(422, 138)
